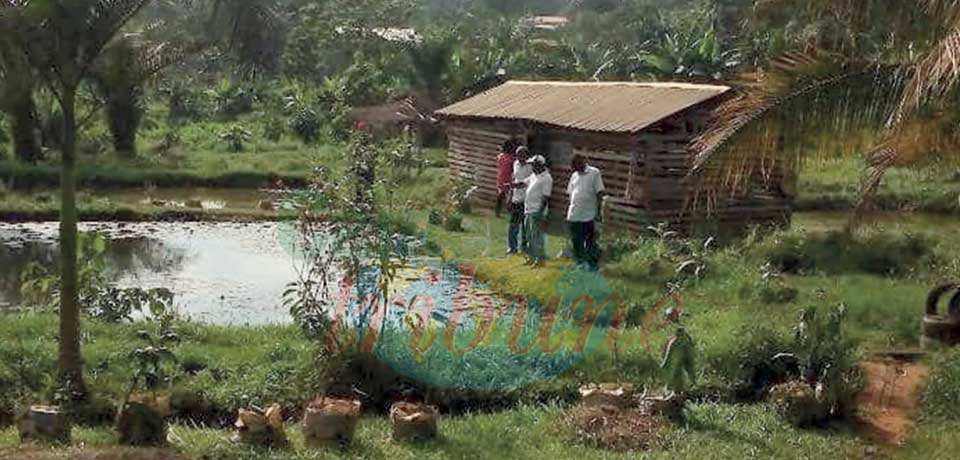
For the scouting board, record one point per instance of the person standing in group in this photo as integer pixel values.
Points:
(536, 207)
(505, 175)
(586, 197)
(516, 238)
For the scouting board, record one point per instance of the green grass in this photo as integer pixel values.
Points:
(835, 185)
(221, 368)
(711, 431)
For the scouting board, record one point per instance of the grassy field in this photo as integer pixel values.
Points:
(835, 185)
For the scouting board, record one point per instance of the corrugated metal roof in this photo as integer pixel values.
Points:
(604, 107)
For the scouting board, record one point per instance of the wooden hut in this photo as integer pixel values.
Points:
(638, 134)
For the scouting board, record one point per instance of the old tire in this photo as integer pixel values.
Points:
(933, 299)
(943, 330)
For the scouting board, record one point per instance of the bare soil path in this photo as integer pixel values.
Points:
(890, 400)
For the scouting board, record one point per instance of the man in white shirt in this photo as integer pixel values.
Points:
(521, 170)
(535, 207)
(586, 195)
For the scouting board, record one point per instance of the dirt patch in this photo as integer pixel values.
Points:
(615, 429)
(890, 399)
(37, 453)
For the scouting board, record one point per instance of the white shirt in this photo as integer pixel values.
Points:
(583, 190)
(539, 187)
(521, 171)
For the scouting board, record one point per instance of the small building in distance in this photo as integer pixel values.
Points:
(638, 134)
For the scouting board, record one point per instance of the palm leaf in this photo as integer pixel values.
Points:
(808, 104)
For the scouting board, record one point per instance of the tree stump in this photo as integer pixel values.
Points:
(261, 428)
(413, 422)
(615, 395)
(799, 403)
(43, 424)
(266, 205)
(330, 421)
(139, 424)
(666, 404)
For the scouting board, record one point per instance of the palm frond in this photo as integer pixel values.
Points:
(935, 75)
(105, 20)
(835, 107)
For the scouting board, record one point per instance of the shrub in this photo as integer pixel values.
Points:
(233, 100)
(306, 125)
(941, 397)
(273, 129)
(749, 369)
(236, 137)
(435, 217)
(184, 102)
(453, 223)
(884, 254)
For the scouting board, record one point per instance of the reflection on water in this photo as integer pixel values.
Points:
(229, 273)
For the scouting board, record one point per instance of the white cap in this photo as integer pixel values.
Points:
(537, 159)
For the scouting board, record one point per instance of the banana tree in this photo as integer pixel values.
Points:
(62, 40)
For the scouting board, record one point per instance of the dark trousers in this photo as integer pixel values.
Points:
(516, 238)
(585, 249)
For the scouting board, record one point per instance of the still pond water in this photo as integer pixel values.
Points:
(235, 273)
(231, 273)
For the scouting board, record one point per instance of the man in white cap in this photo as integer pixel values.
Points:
(535, 208)
(516, 240)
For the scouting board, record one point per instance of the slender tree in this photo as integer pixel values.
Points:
(62, 40)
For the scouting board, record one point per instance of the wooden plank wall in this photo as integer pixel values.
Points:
(472, 156)
(645, 174)
(474, 145)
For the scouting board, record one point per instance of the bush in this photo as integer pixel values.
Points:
(233, 100)
(884, 254)
(435, 217)
(236, 137)
(749, 370)
(453, 223)
(306, 125)
(273, 129)
(941, 397)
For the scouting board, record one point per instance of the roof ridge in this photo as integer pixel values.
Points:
(651, 84)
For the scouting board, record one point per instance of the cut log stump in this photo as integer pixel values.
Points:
(261, 428)
(140, 424)
(615, 395)
(414, 422)
(329, 421)
(43, 424)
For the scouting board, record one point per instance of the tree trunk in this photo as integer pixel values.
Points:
(123, 118)
(26, 146)
(71, 367)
